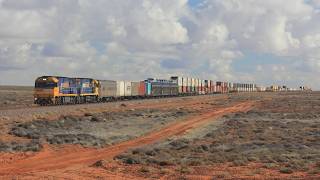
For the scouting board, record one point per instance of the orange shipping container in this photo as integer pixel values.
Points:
(142, 89)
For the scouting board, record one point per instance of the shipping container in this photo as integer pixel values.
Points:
(108, 88)
(200, 86)
(207, 86)
(261, 89)
(123, 89)
(127, 88)
(231, 87)
(161, 87)
(148, 88)
(189, 85)
(120, 89)
(184, 85)
(135, 86)
(203, 86)
(219, 89)
(197, 85)
(142, 89)
(193, 85)
(179, 81)
(213, 84)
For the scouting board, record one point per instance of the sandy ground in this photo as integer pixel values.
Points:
(15, 97)
(249, 136)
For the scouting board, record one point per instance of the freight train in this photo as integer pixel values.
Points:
(55, 90)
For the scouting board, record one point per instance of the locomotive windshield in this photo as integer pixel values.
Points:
(46, 85)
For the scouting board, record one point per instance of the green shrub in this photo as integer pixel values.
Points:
(286, 170)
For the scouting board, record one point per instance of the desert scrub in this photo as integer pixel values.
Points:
(286, 170)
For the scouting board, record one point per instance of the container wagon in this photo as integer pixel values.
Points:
(161, 88)
(138, 89)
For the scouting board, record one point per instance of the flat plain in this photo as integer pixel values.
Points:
(243, 136)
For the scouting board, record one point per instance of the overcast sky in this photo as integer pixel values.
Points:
(262, 41)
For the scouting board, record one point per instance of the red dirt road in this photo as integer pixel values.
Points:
(69, 156)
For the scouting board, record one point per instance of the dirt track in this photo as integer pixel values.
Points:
(49, 159)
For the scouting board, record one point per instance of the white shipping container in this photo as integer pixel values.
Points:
(127, 88)
(185, 82)
(180, 81)
(189, 82)
(120, 88)
(203, 86)
(209, 86)
(197, 83)
(193, 84)
(123, 88)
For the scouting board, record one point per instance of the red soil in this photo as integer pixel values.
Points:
(53, 162)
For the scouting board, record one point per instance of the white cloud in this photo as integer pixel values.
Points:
(312, 41)
(120, 39)
(315, 3)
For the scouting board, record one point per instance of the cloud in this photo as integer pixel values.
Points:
(315, 3)
(118, 39)
(27, 4)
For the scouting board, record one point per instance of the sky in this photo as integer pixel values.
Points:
(254, 41)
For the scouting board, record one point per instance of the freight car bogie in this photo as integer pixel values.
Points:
(107, 99)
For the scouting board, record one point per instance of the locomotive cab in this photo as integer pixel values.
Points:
(46, 88)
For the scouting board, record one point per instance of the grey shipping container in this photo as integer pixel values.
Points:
(108, 88)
